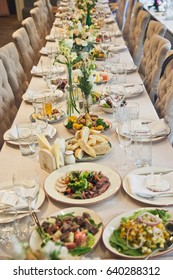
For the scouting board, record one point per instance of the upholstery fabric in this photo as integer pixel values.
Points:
(8, 108)
(164, 102)
(139, 32)
(26, 52)
(137, 7)
(156, 55)
(121, 13)
(35, 40)
(154, 27)
(16, 75)
(127, 23)
(42, 5)
(40, 22)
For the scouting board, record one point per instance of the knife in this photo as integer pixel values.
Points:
(157, 172)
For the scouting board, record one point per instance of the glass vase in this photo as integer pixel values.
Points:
(70, 98)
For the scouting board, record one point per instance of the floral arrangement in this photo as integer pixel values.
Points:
(87, 6)
(68, 57)
(83, 37)
(86, 77)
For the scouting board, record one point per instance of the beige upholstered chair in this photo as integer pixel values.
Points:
(8, 108)
(35, 40)
(137, 7)
(26, 52)
(154, 27)
(156, 55)
(127, 23)
(165, 88)
(50, 11)
(16, 75)
(139, 31)
(121, 13)
(42, 5)
(40, 22)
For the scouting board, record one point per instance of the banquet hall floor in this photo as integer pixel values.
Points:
(8, 25)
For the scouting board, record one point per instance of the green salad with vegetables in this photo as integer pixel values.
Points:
(75, 232)
(141, 233)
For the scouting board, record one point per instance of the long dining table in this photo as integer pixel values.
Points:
(119, 203)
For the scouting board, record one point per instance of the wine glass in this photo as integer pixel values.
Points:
(124, 137)
(40, 116)
(26, 186)
(105, 44)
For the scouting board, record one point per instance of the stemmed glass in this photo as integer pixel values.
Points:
(105, 44)
(26, 186)
(40, 116)
(124, 136)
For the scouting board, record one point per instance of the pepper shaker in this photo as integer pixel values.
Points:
(69, 157)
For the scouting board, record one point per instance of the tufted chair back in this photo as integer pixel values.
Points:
(26, 52)
(156, 56)
(121, 13)
(127, 23)
(165, 88)
(42, 5)
(8, 108)
(154, 27)
(40, 23)
(16, 75)
(50, 11)
(137, 7)
(139, 31)
(35, 40)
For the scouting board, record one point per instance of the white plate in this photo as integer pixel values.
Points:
(119, 48)
(114, 224)
(157, 137)
(35, 240)
(162, 201)
(114, 178)
(133, 90)
(15, 141)
(102, 81)
(40, 199)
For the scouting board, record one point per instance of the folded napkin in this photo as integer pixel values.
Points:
(36, 70)
(142, 184)
(116, 49)
(131, 67)
(157, 127)
(109, 20)
(49, 131)
(43, 50)
(50, 38)
(133, 89)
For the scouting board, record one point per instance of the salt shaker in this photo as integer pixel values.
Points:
(69, 157)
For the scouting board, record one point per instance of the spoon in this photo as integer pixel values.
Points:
(168, 245)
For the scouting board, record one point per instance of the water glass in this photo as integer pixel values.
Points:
(131, 109)
(143, 147)
(26, 138)
(8, 224)
(121, 69)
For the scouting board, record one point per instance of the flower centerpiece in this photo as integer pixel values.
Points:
(83, 37)
(68, 57)
(87, 6)
(86, 77)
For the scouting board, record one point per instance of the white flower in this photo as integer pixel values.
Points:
(62, 58)
(77, 73)
(69, 43)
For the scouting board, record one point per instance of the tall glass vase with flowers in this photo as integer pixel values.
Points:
(68, 57)
(86, 81)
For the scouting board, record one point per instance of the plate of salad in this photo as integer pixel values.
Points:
(82, 183)
(78, 229)
(135, 234)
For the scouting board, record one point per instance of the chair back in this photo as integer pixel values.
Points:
(156, 56)
(26, 52)
(8, 108)
(15, 72)
(121, 13)
(127, 23)
(154, 27)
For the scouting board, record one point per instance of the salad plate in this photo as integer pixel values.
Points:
(89, 219)
(121, 247)
(6, 187)
(51, 181)
(55, 117)
(160, 201)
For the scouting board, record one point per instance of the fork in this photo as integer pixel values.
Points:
(36, 220)
(167, 246)
(154, 196)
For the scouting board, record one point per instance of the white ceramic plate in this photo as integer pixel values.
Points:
(15, 141)
(161, 201)
(54, 119)
(35, 240)
(157, 137)
(114, 178)
(89, 158)
(133, 90)
(41, 196)
(114, 224)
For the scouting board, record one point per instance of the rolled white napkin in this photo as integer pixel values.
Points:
(139, 184)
